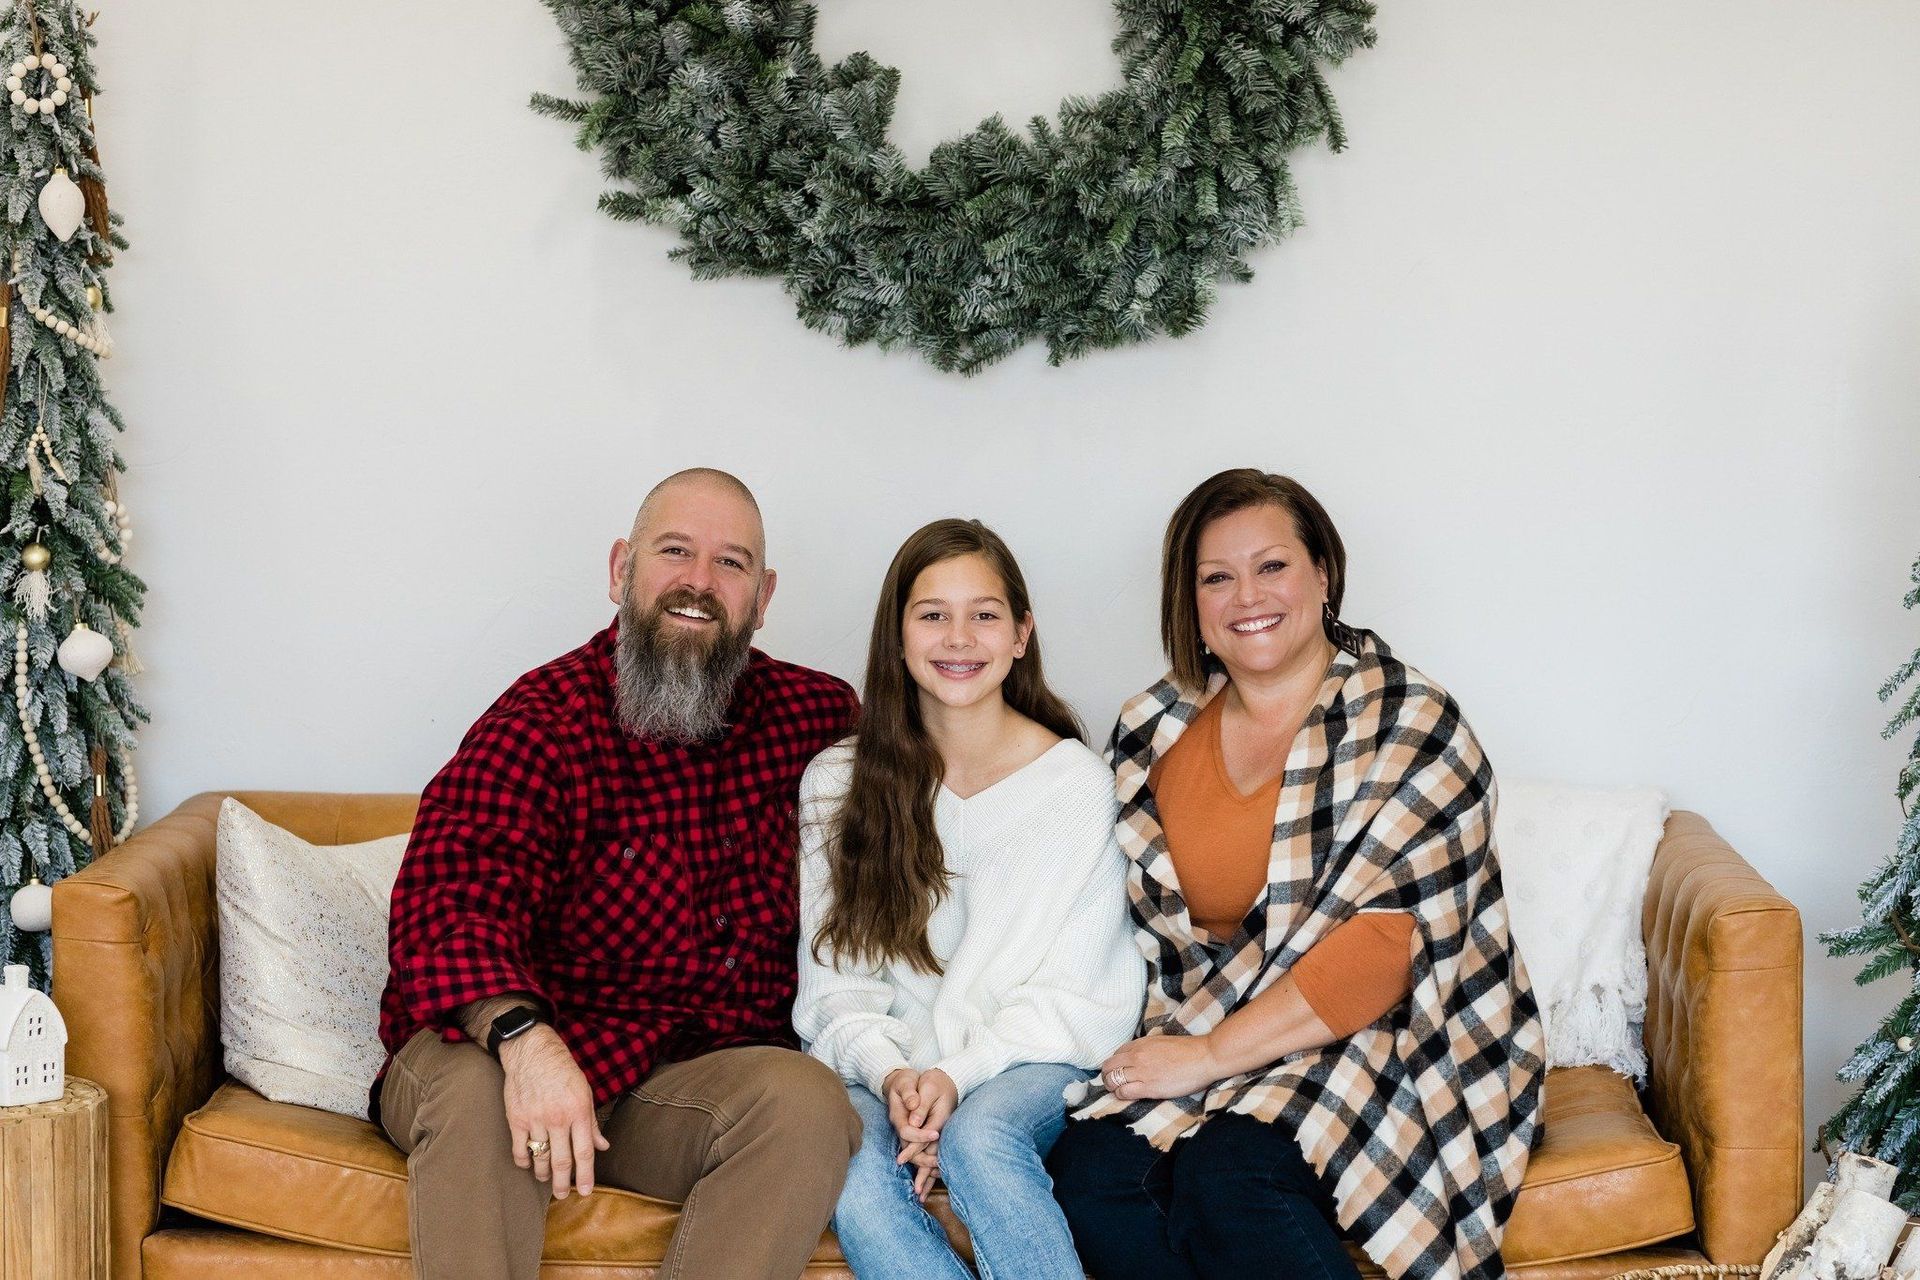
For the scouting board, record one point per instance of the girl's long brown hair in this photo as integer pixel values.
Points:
(889, 870)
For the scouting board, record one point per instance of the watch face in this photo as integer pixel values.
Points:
(512, 1023)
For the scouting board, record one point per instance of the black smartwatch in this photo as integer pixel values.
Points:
(513, 1022)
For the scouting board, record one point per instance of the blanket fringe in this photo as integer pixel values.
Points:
(1690, 1270)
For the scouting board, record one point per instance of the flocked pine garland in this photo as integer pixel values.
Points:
(67, 788)
(1110, 225)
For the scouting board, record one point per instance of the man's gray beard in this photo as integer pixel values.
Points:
(672, 688)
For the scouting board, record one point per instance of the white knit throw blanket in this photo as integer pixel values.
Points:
(1575, 861)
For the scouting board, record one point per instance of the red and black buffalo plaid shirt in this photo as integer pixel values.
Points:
(644, 890)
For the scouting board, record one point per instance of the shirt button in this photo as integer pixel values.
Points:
(727, 844)
(729, 962)
(719, 922)
(629, 853)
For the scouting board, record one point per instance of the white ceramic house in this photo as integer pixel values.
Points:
(34, 1059)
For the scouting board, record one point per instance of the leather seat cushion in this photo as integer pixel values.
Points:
(313, 1176)
(1601, 1180)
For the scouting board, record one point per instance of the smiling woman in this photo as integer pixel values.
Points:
(1310, 825)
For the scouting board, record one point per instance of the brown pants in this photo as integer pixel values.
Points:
(753, 1142)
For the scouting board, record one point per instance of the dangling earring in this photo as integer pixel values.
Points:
(1340, 633)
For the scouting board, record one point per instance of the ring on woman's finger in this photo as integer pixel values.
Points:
(538, 1147)
(1117, 1076)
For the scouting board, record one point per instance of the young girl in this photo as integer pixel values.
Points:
(965, 950)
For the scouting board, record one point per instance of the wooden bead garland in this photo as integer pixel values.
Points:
(51, 95)
(93, 337)
(129, 783)
(123, 526)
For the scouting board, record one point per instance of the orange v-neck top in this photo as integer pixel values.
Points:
(1220, 839)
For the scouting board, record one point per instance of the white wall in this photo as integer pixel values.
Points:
(1599, 345)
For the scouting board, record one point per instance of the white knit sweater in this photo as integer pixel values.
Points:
(1038, 951)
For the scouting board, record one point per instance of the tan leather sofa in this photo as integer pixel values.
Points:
(211, 1180)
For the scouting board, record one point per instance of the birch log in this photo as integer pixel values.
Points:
(1858, 1239)
(1907, 1261)
(1794, 1242)
(1856, 1172)
(1788, 1259)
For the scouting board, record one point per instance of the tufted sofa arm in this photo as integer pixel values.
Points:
(135, 975)
(1723, 1036)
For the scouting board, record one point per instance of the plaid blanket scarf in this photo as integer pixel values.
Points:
(1423, 1121)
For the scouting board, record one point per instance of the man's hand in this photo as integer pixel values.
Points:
(1162, 1067)
(549, 1100)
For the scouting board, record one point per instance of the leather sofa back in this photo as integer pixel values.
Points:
(1723, 1036)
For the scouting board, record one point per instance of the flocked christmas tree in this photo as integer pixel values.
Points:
(1883, 1118)
(67, 600)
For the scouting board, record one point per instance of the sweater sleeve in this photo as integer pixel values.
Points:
(1359, 971)
(840, 1009)
(1083, 998)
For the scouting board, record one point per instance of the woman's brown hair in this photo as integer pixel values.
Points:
(1221, 495)
(888, 868)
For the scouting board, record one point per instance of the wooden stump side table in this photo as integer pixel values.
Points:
(53, 1187)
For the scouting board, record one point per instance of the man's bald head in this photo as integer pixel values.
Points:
(699, 481)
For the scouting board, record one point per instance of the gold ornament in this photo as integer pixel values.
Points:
(95, 298)
(36, 558)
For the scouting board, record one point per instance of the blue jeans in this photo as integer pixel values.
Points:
(992, 1158)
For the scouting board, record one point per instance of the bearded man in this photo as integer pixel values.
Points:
(593, 931)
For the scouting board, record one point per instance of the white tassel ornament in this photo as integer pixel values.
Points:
(33, 590)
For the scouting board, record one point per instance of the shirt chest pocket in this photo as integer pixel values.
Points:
(633, 902)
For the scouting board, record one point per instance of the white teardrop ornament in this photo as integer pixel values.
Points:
(63, 205)
(85, 652)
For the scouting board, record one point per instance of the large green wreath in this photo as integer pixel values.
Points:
(717, 118)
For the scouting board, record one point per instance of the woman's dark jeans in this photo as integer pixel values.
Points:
(1236, 1200)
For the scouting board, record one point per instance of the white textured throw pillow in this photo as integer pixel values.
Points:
(303, 958)
(1574, 862)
